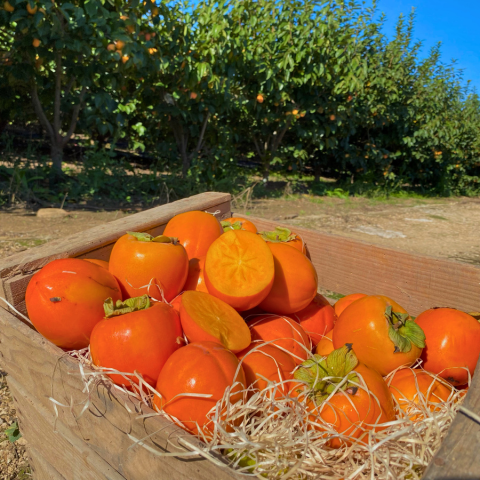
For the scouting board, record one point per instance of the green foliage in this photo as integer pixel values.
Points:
(13, 432)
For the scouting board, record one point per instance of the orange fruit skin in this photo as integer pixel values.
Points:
(325, 345)
(135, 264)
(297, 243)
(452, 340)
(363, 324)
(196, 277)
(295, 283)
(30, 10)
(239, 269)
(317, 318)
(176, 302)
(342, 303)
(354, 420)
(101, 263)
(403, 386)
(246, 224)
(203, 367)
(140, 341)
(269, 362)
(283, 332)
(196, 231)
(207, 318)
(82, 287)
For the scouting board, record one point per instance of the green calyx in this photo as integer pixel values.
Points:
(280, 234)
(231, 226)
(128, 306)
(403, 331)
(146, 237)
(324, 375)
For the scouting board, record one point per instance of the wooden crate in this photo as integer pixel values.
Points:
(98, 445)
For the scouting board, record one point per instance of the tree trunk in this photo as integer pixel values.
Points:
(56, 154)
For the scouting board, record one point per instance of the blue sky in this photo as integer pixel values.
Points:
(455, 24)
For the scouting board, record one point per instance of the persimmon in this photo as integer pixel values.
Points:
(195, 230)
(36, 42)
(193, 95)
(125, 58)
(119, 44)
(419, 387)
(452, 343)
(237, 223)
(260, 98)
(383, 335)
(363, 401)
(65, 300)
(101, 263)
(295, 283)
(196, 278)
(8, 7)
(317, 318)
(342, 303)
(268, 362)
(31, 10)
(207, 318)
(149, 265)
(111, 47)
(239, 269)
(325, 345)
(176, 302)
(286, 236)
(136, 336)
(282, 332)
(206, 368)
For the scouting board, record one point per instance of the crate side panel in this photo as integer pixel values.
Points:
(41, 469)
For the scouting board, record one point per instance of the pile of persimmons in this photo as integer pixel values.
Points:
(209, 306)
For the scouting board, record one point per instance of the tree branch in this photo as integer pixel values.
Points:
(58, 95)
(257, 146)
(69, 86)
(279, 138)
(41, 114)
(73, 122)
(202, 133)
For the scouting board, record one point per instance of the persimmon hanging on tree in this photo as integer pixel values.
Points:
(144, 264)
(195, 230)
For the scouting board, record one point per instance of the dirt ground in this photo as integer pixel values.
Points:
(447, 228)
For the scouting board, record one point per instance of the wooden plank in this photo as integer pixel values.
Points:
(416, 282)
(97, 242)
(41, 469)
(46, 371)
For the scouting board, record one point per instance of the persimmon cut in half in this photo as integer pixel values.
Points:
(286, 236)
(325, 345)
(65, 298)
(342, 303)
(383, 335)
(136, 336)
(237, 223)
(156, 266)
(196, 277)
(344, 395)
(101, 263)
(417, 387)
(317, 318)
(205, 369)
(452, 343)
(207, 318)
(267, 363)
(195, 230)
(283, 332)
(239, 269)
(295, 283)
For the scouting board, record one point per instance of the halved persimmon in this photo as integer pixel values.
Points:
(286, 236)
(342, 303)
(317, 318)
(325, 345)
(282, 332)
(295, 283)
(239, 269)
(195, 230)
(196, 277)
(237, 223)
(206, 318)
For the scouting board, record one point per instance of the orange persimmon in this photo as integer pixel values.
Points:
(317, 318)
(237, 223)
(196, 278)
(282, 332)
(149, 265)
(267, 361)
(286, 236)
(383, 335)
(295, 282)
(207, 318)
(342, 303)
(136, 335)
(101, 263)
(325, 345)
(239, 269)
(195, 230)
(452, 343)
(198, 368)
(65, 298)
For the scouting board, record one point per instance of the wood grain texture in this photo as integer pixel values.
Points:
(41, 469)
(416, 282)
(39, 370)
